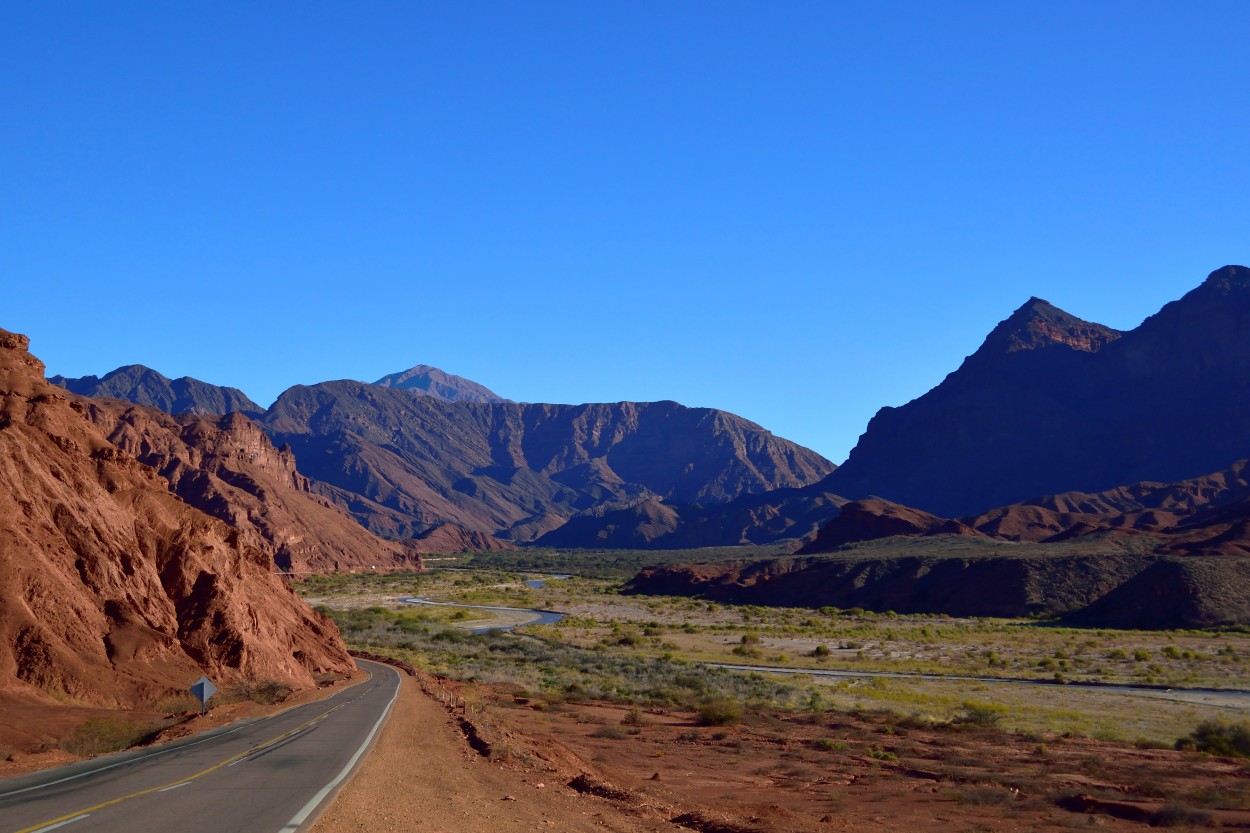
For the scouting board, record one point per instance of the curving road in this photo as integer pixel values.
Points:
(272, 775)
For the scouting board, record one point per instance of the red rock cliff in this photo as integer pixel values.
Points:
(113, 590)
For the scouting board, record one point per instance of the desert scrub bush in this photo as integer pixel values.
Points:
(100, 735)
(608, 733)
(176, 704)
(264, 692)
(1216, 737)
(634, 717)
(828, 745)
(720, 712)
(982, 795)
(975, 713)
(552, 669)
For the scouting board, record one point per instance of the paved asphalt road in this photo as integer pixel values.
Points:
(262, 776)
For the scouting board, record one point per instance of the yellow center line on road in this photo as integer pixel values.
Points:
(46, 825)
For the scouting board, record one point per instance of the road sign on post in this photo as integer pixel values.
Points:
(203, 688)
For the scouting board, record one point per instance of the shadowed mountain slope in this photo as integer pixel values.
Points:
(404, 463)
(774, 516)
(144, 386)
(1050, 403)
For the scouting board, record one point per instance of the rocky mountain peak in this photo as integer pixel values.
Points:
(19, 370)
(1039, 323)
(426, 380)
(1229, 277)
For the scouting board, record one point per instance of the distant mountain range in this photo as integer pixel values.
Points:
(1048, 404)
(1130, 438)
(424, 453)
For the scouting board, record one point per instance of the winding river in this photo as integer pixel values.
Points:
(506, 618)
(502, 618)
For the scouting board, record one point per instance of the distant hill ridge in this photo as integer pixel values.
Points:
(424, 454)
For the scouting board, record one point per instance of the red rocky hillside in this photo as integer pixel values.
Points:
(115, 591)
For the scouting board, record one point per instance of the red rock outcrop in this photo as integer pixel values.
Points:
(867, 520)
(113, 590)
(1207, 515)
(227, 467)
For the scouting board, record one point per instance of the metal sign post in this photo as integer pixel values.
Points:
(202, 689)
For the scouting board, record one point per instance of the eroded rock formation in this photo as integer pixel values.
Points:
(114, 590)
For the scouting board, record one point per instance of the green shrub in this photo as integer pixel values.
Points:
(1218, 738)
(720, 712)
(634, 717)
(975, 713)
(828, 745)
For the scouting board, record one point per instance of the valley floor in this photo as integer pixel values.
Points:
(605, 767)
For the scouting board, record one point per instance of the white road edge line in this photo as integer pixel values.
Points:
(307, 810)
(174, 787)
(61, 823)
(138, 758)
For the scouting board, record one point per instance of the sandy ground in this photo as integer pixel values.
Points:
(423, 776)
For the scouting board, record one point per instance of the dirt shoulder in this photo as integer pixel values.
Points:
(423, 775)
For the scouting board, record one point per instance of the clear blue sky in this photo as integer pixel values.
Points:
(798, 212)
